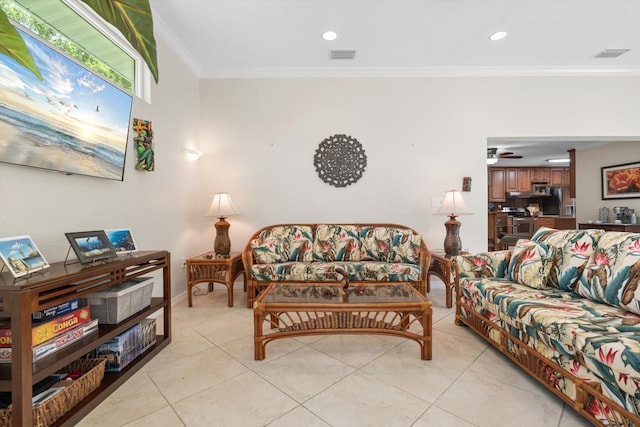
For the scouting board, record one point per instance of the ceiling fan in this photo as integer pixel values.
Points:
(493, 155)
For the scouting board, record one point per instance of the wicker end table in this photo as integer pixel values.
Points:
(386, 308)
(441, 267)
(207, 268)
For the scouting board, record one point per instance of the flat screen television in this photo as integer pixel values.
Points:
(73, 121)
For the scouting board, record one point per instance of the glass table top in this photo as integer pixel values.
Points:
(329, 293)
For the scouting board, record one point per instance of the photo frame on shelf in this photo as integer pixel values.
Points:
(21, 255)
(91, 246)
(122, 240)
(621, 181)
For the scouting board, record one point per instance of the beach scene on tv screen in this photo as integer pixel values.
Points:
(73, 121)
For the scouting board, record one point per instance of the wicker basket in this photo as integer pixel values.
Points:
(47, 413)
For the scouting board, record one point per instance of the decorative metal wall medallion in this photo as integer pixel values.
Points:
(340, 160)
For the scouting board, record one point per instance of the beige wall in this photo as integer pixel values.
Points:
(421, 136)
(588, 188)
(159, 206)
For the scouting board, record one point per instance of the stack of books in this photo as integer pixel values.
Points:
(51, 330)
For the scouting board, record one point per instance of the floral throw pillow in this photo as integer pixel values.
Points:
(336, 243)
(571, 251)
(530, 264)
(612, 274)
(282, 244)
(405, 246)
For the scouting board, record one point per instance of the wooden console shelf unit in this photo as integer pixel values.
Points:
(21, 297)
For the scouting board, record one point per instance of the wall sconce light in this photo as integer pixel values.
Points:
(192, 154)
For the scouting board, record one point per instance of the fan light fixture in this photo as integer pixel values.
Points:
(492, 156)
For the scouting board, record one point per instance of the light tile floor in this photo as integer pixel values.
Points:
(207, 377)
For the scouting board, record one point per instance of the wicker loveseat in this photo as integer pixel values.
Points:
(565, 307)
(313, 252)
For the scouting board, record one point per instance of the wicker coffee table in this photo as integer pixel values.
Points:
(292, 310)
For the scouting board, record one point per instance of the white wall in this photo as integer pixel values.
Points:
(589, 189)
(421, 136)
(158, 206)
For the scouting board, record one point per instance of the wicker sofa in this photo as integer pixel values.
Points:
(313, 252)
(565, 307)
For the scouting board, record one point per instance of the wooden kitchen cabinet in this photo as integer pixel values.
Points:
(556, 177)
(517, 179)
(524, 179)
(539, 175)
(497, 185)
(511, 175)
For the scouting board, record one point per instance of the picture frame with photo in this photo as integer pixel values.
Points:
(91, 246)
(621, 181)
(122, 240)
(21, 255)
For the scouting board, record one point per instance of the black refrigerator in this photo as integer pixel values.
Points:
(552, 204)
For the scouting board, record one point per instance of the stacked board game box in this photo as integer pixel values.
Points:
(51, 330)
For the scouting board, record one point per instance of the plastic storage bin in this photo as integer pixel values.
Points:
(113, 305)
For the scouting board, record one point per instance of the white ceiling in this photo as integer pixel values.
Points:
(282, 38)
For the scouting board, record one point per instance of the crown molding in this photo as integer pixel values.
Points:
(346, 72)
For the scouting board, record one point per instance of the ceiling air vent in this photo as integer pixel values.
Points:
(611, 53)
(342, 54)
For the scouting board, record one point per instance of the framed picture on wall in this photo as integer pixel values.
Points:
(91, 246)
(21, 256)
(621, 181)
(122, 240)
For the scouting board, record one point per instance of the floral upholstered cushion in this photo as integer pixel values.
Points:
(376, 243)
(277, 272)
(572, 249)
(322, 271)
(615, 357)
(391, 272)
(390, 244)
(405, 246)
(529, 264)
(282, 244)
(484, 264)
(336, 243)
(612, 274)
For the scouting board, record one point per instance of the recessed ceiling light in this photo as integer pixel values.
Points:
(329, 35)
(498, 35)
(559, 160)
